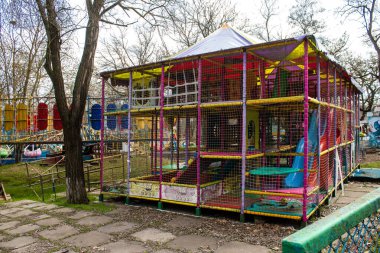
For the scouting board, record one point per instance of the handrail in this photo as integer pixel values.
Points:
(324, 232)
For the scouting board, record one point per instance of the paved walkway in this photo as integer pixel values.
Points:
(29, 226)
(352, 191)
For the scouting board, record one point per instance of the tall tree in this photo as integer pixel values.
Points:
(21, 49)
(304, 17)
(367, 13)
(118, 52)
(54, 15)
(268, 11)
(365, 71)
(189, 21)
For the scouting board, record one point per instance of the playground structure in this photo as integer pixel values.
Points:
(31, 128)
(264, 129)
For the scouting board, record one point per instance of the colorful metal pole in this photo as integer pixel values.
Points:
(187, 141)
(102, 142)
(262, 79)
(334, 129)
(199, 133)
(319, 123)
(178, 138)
(328, 127)
(155, 140)
(161, 130)
(129, 135)
(152, 168)
(306, 128)
(243, 137)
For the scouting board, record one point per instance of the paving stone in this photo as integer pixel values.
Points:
(48, 222)
(353, 194)
(59, 232)
(345, 200)
(8, 225)
(364, 189)
(34, 205)
(10, 210)
(64, 251)
(26, 249)
(18, 242)
(124, 247)
(239, 247)
(19, 203)
(46, 207)
(154, 235)
(80, 215)
(180, 222)
(95, 220)
(117, 227)
(64, 210)
(42, 216)
(22, 229)
(23, 213)
(92, 238)
(191, 243)
(41, 246)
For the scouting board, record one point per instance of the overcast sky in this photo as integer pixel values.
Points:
(336, 24)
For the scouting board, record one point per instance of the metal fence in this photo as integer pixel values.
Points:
(353, 228)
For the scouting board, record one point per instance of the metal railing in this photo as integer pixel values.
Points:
(353, 228)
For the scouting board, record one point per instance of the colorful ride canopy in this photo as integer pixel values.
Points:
(57, 122)
(124, 119)
(9, 117)
(21, 117)
(111, 120)
(42, 116)
(96, 115)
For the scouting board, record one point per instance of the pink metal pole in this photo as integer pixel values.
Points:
(306, 126)
(335, 133)
(262, 79)
(243, 137)
(161, 129)
(319, 124)
(102, 138)
(199, 133)
(328, 126)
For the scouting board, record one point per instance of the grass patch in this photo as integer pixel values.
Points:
(93, 205)
(15, 180)
(375, 164)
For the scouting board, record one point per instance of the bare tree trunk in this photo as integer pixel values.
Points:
(75, 182)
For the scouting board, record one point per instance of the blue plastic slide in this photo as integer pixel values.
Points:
(296, 179)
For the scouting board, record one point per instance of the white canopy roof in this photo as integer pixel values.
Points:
(224, 38)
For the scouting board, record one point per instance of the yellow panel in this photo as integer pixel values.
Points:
(22, 117)
(139, 75)
(50, 123)
(9, 117)
(253, 130)
(299, 52)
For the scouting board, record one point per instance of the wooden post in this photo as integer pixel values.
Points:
(88, 178)
(42, 188)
